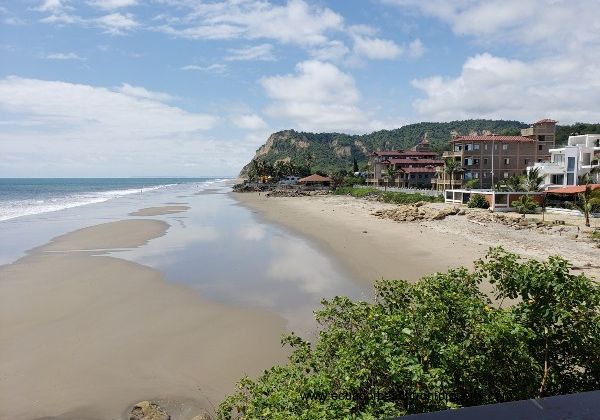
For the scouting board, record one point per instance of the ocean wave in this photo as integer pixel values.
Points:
(19, 208)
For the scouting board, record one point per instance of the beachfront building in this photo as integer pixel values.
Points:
(412, 168)
(315, 181)
(567, 165)
(491, 158)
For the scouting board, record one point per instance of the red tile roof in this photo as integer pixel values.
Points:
(494, 137)
(427, 169)
(544, 121)
(419, 161)
(315, 178)
(575, 189)
(401, 153)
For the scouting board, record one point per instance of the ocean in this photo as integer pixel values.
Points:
(30, 196)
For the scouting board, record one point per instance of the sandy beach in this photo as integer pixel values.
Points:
(382, 248)
(371, 247)
(84, 335)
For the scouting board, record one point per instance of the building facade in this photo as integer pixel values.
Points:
(489, 159)
(567, 164)
(413, 168)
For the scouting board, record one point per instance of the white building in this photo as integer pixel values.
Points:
(567, 164)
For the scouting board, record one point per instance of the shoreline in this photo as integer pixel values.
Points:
(375, 247)
(85, 334)
(370, 247)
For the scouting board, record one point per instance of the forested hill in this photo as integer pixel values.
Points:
(329, 152)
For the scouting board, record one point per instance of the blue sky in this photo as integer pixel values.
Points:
(192, 87)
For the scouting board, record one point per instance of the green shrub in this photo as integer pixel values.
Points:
(525, 204)
(353, 180)
(478, 201)
(387, 196)
(437, 344)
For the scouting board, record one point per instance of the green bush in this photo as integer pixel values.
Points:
(437, 344)
(353, 180)
(478, 201)
(387, 196)
(525, 204)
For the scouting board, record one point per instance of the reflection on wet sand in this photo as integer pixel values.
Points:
(229, 255)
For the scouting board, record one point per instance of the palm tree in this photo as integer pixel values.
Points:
(450, 167)
(308, 158)
(533, 180)
(587, 201)
(390, 173)
(514, 183)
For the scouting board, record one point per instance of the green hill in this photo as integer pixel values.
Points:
(329, 152)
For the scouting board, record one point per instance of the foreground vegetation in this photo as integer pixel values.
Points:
(437, 344)
(387, 196)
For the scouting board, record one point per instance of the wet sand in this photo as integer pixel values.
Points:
(159, 211)
(85, 336)
(372, 248)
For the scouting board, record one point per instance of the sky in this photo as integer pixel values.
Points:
(194, 87)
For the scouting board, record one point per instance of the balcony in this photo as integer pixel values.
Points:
(527, 131)
(550, 167)
(451, 154)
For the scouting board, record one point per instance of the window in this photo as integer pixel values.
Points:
(475, 161)
(476, 175)
(541, 138)
(505, 174)
(420, 176)
(485, 174)
(506, 161)
(412, 176)
(570, 164)
(571, 179)
(457, 147)
(540, 147)
(505, 147)
(526, 161)
(468, 147)
(485, 147)
(475, 146)
(485, 161)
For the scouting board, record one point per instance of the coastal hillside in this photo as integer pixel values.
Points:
(329, 152)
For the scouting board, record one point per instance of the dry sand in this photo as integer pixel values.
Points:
(372, 248)
(84, 336)
(375, 248)
(159, 211)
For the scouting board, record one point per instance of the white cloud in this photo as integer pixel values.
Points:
(263, 52)
(63, 56)
(117, 23)
(51, 5)
(416, 49)
(319, 97)
(564, 88)
(112, 4)
(64, 128)
(296, 22)
(140, 92)
(211, 68)
(333, 50)
(549, 24)
(376, 48)
(249, 122)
